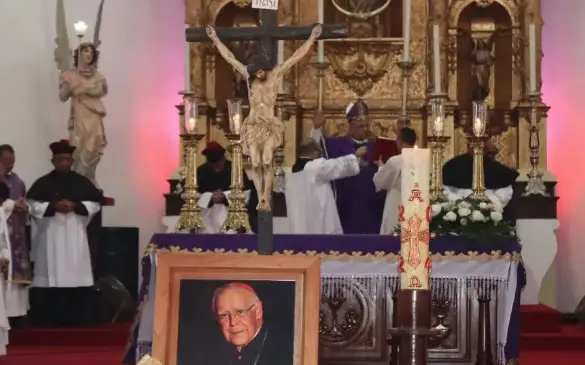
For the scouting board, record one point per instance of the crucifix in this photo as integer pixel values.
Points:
(262, 131)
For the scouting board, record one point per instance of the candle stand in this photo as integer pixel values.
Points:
(237, 218)
(437, 143)
(406, 67)
(190, 215)
(321, 67)
(478, 182)
(535, 185)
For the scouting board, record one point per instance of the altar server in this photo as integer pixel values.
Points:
(214, 184)
(62, 204)
(309, 197)
(388, 178)
(359, 206)
(5, 272)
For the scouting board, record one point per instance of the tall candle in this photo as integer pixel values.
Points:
(187, 65)
(436, 59)
(321, 20)
(414, 215)
(406, 30)
(532, 56)
(280, 60)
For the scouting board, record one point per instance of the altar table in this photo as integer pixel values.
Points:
(363, 268)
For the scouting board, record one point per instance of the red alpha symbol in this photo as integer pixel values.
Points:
(414, 237)
(401, 265)
(415, 194)
(401, 213)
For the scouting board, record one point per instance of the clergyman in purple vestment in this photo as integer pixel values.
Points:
(17, 291)
(360, 208)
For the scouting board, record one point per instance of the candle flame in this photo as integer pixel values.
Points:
(191, 125)
(236, 119)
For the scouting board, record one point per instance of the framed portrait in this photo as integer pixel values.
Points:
(236, 310)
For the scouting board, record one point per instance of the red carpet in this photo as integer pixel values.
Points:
(543, 341)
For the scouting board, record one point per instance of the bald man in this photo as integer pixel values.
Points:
(310, 201)
(240, 315)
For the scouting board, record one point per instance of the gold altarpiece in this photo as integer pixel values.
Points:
(365, 65)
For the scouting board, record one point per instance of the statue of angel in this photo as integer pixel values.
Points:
(84, 86)
(482, 59)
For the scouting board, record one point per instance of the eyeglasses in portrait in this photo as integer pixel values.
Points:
(231, 309)
(236, 322)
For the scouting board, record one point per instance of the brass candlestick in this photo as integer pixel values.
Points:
(237, 218)
(321, 67)
(478, 183)
(535, 185)
(477, 143)
(190, 216)
(406, 67)
(437, 143)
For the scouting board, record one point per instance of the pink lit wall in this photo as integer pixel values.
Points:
(563, 74)
(142, 57)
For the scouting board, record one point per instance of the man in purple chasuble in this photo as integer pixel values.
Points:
(17, 289)
(360, 208)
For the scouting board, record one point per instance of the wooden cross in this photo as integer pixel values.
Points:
(268, 32)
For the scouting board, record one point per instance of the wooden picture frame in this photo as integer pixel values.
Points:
(176, 268)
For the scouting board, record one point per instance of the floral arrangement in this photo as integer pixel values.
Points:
(473, 219)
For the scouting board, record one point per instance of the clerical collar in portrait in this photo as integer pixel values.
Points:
(250, 355)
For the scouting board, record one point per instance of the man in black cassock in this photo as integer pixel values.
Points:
(215, 177)
(62, 204)
(499, 179)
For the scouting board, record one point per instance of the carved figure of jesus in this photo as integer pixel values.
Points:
(262, 132)
(482, 59)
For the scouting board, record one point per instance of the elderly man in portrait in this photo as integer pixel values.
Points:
(249, 340)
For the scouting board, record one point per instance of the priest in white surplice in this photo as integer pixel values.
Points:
(62, 203)
(388, 178)
(310, 202)
(4, 270)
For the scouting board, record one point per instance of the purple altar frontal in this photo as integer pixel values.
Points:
(460, 269)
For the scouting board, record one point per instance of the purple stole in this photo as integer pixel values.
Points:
(21, 270)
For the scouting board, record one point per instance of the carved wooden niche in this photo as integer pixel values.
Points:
(491, 26)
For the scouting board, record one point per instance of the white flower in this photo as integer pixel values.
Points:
(463, 221)
(497, 208)
(464, 212)
(450, 217)
(483, 205)
(464, 204)
(436, 208)
(496, 216)
(476, 216)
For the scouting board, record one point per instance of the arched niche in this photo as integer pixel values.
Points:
(482, 22)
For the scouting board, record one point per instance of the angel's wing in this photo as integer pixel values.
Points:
(63, 53)
(98, 26)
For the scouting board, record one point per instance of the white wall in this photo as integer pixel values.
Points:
(142, 56)
(563, 81)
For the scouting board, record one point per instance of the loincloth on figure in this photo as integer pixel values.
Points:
(258, 129)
